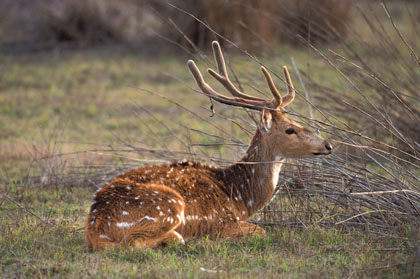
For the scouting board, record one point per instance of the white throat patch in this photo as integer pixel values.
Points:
(276, 170)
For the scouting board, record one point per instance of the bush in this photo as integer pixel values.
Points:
(255, 24)
(69, 21)
(317, 20)
(81, 21)
(382, 67)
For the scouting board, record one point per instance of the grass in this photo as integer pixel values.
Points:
(91, 97)
(32, 249)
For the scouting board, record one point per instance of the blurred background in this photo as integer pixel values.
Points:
(90, 89)
(253, 25)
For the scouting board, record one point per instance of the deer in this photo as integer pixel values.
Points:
(179, 201)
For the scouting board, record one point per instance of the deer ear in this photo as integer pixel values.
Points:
(266, 121)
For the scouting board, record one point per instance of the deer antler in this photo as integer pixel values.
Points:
(291, 94)
(240, 99)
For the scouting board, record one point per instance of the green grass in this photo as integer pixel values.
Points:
(32, 249)
(89, 97)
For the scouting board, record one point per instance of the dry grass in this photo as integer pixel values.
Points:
(254, 25)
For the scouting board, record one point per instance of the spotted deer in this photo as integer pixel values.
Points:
(155, 205)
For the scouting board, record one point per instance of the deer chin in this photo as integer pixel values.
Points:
(322, 153)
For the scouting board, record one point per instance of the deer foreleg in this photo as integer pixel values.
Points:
(240, 229)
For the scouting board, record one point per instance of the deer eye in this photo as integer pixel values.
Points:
(290, 131)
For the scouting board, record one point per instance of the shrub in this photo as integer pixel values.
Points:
(69, 21)
(80, 21)
(254, 24)
(317, 20)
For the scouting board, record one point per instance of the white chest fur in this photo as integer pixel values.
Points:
(275, 170)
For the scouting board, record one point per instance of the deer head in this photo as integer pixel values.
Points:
(279, 135)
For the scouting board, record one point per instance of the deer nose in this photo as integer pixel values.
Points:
(328, 146)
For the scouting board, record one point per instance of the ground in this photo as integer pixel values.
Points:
(33, 249)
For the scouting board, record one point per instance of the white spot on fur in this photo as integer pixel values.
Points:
(102, 236)
(250, 203)
(160, 213)
(158, 207)
(124, 213)
(128, 188)
(127, 225)
(183, 217)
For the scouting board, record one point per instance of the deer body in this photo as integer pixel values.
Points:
(183, 200)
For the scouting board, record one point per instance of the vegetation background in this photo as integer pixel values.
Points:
(89, 89)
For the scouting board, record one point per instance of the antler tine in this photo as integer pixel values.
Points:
(235, 101)
(240, 99)
(223, 76)
(220, 59)
(277, 97)
(291, 95)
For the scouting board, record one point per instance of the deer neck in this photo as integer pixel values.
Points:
(252, 180)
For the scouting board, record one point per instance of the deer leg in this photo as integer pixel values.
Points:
(166, 239)
(146, 215)
(240, 229)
